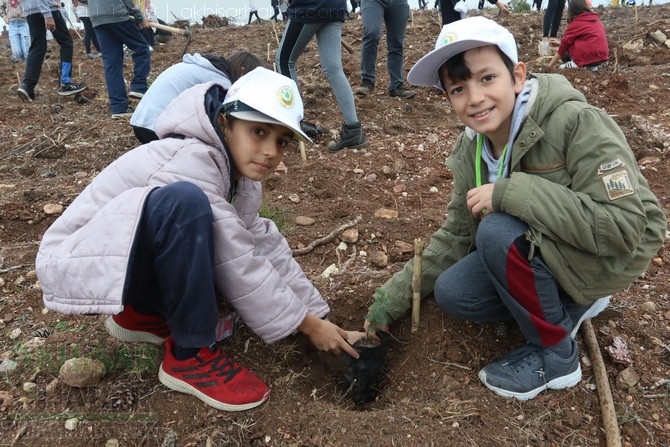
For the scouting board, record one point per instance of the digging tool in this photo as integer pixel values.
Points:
(184, 32)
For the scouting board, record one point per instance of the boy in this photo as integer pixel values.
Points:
(43, 15)
(171, 225)
(544, 219)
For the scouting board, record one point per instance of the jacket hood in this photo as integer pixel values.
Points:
(587, 17)
(544, 105)
(193, 113)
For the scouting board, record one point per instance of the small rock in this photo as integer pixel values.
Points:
(71, 424)
(8, 365)
(80, 175)
(399, 188)
(386, 170)
(648, 307)
(81, 372)
(403, 247)
(342, 246)
(304, 221)
(51, 386)
(431, 138)
(433, 189)
(112, 443)
(295, 198)
(332, 268)
(379, 259)
(30, 388)
(8, 317)
(371, 177)
(627, 378)
(16, 333)
(350, 236)
(2, 282)
(384, 213)
(31, 275)
(53, 208)
(658, 36)
(658, 261)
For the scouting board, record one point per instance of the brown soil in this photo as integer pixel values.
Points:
(54, 146)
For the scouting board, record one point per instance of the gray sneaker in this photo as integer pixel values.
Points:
(365, 88)
(526, 372)
(581, 313)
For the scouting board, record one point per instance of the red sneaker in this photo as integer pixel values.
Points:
(132, 326)
(213, 377)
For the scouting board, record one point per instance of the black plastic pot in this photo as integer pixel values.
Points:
(363, 376)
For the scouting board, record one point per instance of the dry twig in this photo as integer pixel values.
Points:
(312, 245)
(416, 283)
(612, 434)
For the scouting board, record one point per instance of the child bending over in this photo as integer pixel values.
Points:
(544, 221)
(171, 225)
(584, 43)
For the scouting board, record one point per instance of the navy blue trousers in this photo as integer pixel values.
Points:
(170, 268)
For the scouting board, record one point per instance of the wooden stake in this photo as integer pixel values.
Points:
(268, 50)
(274, 30)
(303, 154)
(416, 283)
(612, 434)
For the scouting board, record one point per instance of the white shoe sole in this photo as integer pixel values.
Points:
(183, 387)
(598, 306)
(558, 383)
(128, 336)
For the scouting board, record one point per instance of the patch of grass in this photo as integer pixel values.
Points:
(519, 6)
(131, 358)
(276, 214)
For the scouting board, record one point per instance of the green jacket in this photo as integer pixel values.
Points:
(575, 182)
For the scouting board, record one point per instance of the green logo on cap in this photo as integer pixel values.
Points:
(285, 96)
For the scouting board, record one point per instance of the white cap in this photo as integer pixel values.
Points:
(455, 38)
(266, 97)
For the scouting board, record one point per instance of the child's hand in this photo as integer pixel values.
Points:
(480, 200)
(354, 336)
(326, 336)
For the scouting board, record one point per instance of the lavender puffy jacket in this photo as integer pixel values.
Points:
(83, 257)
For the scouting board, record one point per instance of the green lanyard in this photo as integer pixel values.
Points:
(478, 161)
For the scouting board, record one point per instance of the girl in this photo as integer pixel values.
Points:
(170, 226)
(584, 43)
(322, 18)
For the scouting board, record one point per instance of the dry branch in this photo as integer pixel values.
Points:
(312, 245)
(612, 434)
(347, 47)
(416, 283)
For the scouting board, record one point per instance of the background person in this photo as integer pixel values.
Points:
(584, 43)
(114, 28)
(18, 31)
(193, 69)
(323, 19)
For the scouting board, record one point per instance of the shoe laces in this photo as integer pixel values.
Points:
(221, 364)
(521, 358)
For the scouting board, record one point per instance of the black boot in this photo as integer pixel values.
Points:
(351, 136)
